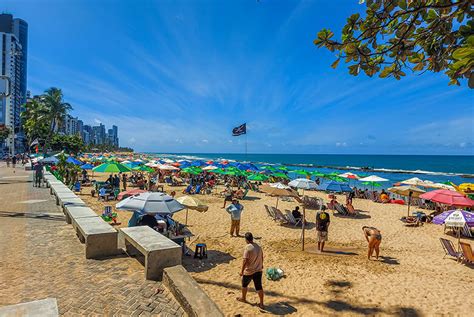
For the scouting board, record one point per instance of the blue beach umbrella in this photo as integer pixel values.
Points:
(87, 166)
(74, 161)
(333, 186)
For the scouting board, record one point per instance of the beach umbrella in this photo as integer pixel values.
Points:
(198, 163)
(415, 181)
(303, 183)
(466, 187)
(74, 161)
(318, 174)
(210, 168)
(129, 193)
(191, 202)
(349, 175)
(87, 166)
(279, 190)
(282, 168)
(448, 197)
(143, 168)
(111, 168)
(269, 168)
(333, 186)
(459, 219)
(151, 203)
(280, 175)
(373, 178)
(168, 167)
(408, 191)
(301, 172)
(257, 177)
(441, 186)
(50, 160)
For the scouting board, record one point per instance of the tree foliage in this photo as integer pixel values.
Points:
(4, 133)
(418, 35)
(71, 144)
(44, 116)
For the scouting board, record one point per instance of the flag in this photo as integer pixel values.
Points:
(241, 129)
(35, 142)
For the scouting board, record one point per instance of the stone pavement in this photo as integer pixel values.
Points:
(40, 257)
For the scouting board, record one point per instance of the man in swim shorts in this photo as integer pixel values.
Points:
(322, 226)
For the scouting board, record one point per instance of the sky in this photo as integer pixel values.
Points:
(177, 76)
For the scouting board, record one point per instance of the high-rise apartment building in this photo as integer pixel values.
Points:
(13, 65)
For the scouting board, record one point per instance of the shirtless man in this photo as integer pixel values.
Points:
(374, 238)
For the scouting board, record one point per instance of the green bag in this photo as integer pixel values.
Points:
(274, 274)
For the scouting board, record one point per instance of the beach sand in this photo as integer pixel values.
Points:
(410, 278)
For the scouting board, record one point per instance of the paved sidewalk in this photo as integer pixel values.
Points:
(42, 257)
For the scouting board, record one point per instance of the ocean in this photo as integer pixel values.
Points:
(436, 168)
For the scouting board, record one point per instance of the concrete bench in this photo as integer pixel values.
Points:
(98, 236)
(39, 308)
(189, 294)
(76, 212)
(159, 251)
(64, 195)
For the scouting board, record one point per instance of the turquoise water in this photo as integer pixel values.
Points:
(436, 168)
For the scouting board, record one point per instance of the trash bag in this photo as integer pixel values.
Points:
(274, 273)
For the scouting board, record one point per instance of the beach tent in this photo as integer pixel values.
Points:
(333, 186)
(151, 203)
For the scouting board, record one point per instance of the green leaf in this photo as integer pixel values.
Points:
(354, 70)
(334, 65)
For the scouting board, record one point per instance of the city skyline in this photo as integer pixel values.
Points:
(165, 73)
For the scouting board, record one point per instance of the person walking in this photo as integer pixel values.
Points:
(235, 211)
(38, 168)
(374, 238)
(14, 161)
(124, 181)
(252, 267)
(322, 226)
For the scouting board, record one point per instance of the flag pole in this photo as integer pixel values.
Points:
(246, 145)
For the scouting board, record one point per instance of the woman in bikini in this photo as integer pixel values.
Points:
(374, 238)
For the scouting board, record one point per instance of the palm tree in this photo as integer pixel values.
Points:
(35, 120)
(57, 110)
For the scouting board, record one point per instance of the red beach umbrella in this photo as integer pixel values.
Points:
(448, 197)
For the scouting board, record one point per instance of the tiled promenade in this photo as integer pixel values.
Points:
(40, 257)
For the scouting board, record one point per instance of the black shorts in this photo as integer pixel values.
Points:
(257, 280)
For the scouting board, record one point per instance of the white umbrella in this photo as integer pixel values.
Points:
(168, 167)
(412, 181)
(303, 183)
(210, 168)
(373, 178)
(151, 202)
(279, 185)
(167, 160)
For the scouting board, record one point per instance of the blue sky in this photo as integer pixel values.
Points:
(176, 76)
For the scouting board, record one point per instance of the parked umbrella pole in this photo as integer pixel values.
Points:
(186, 222)
(409, 203)
(302, 226)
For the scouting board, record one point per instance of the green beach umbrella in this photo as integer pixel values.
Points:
(257, 177)
(318, 174)
(282, 168)
(280, 175)
(269, 168)
(217, 171)
(192, 170)
(302, 172)
(111, 168)
(143, 168)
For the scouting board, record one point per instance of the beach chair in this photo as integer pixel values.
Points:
(291, 219)
(467, 255)
(188, 189)
(279, 216)
(341, 209)
(197, 190)
(411, 221)
(270, 212)
(449, 249)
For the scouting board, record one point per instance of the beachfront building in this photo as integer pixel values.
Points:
(13, 65)
(91, 134)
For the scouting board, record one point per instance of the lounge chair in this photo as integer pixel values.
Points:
(449, 249)
(197, 190)
(279, 216)
(291, 219)
(411, 221)
(341, 209)
(77, 187)
(270, 212)
(188, 189)
(467, 255)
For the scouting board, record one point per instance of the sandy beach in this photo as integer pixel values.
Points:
(411, 277)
